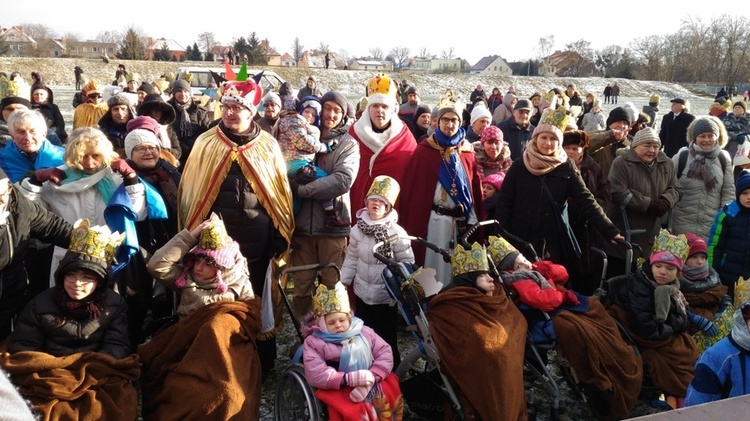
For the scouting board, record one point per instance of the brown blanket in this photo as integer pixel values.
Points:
(706, 303)
(481, 342)
(206, 366)
(84, 386)
(599, 356)
(669, 362)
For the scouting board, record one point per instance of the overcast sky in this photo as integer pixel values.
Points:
(473, 29)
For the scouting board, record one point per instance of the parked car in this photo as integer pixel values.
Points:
(270, 81)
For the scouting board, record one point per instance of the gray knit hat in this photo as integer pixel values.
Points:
(645, 135)
(704, 125)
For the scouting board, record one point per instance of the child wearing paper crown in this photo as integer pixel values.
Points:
(205, 265)
(376, 222)
(81, 312)
(348, 362)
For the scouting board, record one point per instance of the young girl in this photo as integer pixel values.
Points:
(205, 265)
(299, 138)
(699, 282)
(80, 313)
(359, 384)
(490, 186)
(377, 221)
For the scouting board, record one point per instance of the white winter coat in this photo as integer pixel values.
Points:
(362, 268)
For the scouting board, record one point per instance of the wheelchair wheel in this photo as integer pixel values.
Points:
(295, 399)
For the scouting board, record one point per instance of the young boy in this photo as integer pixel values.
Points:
(728, 242)
(377, 221)
(360, 380)
(700, 284)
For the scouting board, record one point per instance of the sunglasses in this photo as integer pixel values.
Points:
(95, 96)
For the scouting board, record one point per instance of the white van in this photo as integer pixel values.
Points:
(270, 81)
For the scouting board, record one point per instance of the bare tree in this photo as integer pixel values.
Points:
(376, 53)
(400, 56)
(108, 36)
(38, 31)
(323, 48)
(583, 59)
(546, 45)
(71, 41)
(607, 58)
(297, 50)
(449, 53)
(207, 42)
(424, 53)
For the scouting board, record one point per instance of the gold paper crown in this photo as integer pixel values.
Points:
(162, 84)
(214, 235)
(472, 260)
(14, 88)
(327, 301)
(382, 84)
(654, 98)
(186, 76)
(134, 77)
(385, 187)
(676, 245)
(499, 248)
(92, 87)
(97, 242)
(455, 105)
(558, 117)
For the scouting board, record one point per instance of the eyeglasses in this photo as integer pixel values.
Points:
(447, 120)
(95, 96)
(233, 108)
(73, 278)
(143, 149)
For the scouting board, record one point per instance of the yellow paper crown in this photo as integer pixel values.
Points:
(454, 105)
(382, 84)
(327, 301)
(14, 88)
(472, 260)
(677, 245)
(654, 98)
(134, 77)
(499, 248)
(385, 187)
(97, 242)
(162, 84)
(558, 117)
(186, 76)
(92, 87)
(741, 291)
(214, 236)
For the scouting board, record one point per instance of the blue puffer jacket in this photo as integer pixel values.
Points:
(729, 244)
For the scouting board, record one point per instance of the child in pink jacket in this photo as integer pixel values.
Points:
(348, 362)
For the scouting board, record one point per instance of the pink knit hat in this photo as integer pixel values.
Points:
(495, 180)
(492, 133)
(217, 248)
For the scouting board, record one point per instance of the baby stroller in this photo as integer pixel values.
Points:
(294, 399)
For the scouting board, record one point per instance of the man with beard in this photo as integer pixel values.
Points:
(191, 119)
(271, 108)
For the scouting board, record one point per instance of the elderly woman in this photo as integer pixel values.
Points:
(42, 100)
(491, 152)
(154, 106)
(536, 189)
(29, 150)
(704, 170)
(643, 183)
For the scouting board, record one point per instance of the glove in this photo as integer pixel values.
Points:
(360, 378)
(122, 167)
(359, 393)
(741, 138)
(54, 175)
(708, 327)
(305, 175)
(658, 207)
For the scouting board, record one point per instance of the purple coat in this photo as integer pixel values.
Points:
(316, 352)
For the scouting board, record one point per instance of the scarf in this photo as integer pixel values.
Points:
(105, 184)
(681, 303)
(162, 180)
(695, 273)
(523, 274)
(356, 353)
(380, 233)
(17, 164)
(185, 127)
(90, 307)
(539, 164)
(451, 174)
(700, 169)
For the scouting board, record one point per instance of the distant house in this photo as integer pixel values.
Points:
(176, 50)
(19, 44)
(434, 65)
(491, 65)
(273, 58)
(370, 64)
(565, 63)
(288, 61)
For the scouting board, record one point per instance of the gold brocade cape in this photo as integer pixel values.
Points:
(264, 168)
(88, 115)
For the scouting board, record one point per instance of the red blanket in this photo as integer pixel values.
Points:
(389, 406)
(205, 366)
(84, 386)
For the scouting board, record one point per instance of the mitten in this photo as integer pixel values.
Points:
(305, 175)
(569, 298)
(359, 393)
(55, 175)
(360, 378)
(658, 207)
(707, 326)
(122, 167)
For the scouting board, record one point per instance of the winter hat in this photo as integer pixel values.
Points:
(336, 97)
(671, 249)
(654, 99)
(742, 184)
(92, 248)
(696, 243)
(272, 97)
(740, 104)
(412, 90)
(180, 85)
(508, 98)
(704, 125)
(523, 104)
(645, 135)
(541, 128)
(216, 247)
(495, 180)
(618, 114)
(146, 87)
(678, 101)
(137, 136)
(492, 133)
(422, 109)
(632, 112)
(119, 99)
(502, 253)
(479, 111)
(133, 77)
(310, 101)
(534, 95)
(143, 122)
(576, 137)
(156, 102)
(381, 89)
(384, 188)
(246, 93)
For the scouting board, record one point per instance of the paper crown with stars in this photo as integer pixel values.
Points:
(471, 260)
(327, 301)
(97, 242)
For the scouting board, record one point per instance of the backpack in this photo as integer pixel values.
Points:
(683, 161)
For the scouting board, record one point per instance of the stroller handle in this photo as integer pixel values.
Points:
(445, 253)
(465, 238)
(625, 244)
(314, 266)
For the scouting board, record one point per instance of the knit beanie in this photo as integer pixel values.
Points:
(548, 128)
(272, 97)
(743, 183)
(696, 243)
(217, 248)
(618, 114)
(479, 111)
(632, 112)
(645, 135)
(422, 109)
(137, 137)
(492, 133)
(180, 85)
(336, 97)
(740, 104)
(576, 137)
(495, 180)
(704, 125)
(311, 101)
(146, 87)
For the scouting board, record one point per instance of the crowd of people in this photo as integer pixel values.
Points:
(154, 233)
